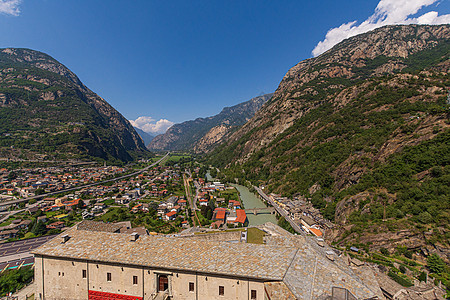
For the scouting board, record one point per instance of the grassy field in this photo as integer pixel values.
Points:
(255, 236)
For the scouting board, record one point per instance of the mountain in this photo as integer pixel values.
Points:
(46, 111)
(202, 134)
(146, 137)
(362, 131)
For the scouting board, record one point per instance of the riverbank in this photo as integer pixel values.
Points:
(250, 200)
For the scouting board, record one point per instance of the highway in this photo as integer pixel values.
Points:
(281, 211)
(22, 246)
(17, 254)
(83, 186)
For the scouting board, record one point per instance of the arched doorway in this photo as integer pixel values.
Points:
(163, 283)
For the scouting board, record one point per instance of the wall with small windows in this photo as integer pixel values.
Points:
(59, 278)
(115, 279)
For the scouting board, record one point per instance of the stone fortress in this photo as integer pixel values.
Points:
(93, 261)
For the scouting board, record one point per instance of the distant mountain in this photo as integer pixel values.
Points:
(146, 137)
(46, 111)
(202, 134)
(363, 131)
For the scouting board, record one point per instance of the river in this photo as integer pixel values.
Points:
(250, 200)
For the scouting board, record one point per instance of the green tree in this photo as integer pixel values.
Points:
(39, 229)
(435, 263)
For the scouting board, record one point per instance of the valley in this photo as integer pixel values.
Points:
(350, 155)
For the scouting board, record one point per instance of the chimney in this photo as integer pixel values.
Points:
(134, 237)
(65, 238)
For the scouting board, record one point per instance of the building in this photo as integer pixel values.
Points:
(95, 264)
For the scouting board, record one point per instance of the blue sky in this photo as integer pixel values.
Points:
(171, 61)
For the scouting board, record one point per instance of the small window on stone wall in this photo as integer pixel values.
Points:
(191, 286)
(84, 273)
(253, 295)
(135, 280)
(108, 276)
(221, 290)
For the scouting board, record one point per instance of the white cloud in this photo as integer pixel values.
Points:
(387, 12)
(10, 7)
(150, 125)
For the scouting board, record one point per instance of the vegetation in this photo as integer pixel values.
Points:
(13, 280)
(50, 116)
(255, 236)
(343, 150)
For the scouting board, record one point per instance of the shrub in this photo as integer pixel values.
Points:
(399, 279)
(435, 263)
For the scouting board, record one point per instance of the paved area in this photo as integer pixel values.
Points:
(17, 254)
(22, 246)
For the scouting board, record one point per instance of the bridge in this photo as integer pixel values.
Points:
(260, 210)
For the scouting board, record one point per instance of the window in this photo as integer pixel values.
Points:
(191, 286)
(135, 280)
(84, 273)
(108, 276)
(221, 290)
(253, 295)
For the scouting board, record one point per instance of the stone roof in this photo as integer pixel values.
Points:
(236, 259)
(295, 262)
(278, 290)
(98, 226)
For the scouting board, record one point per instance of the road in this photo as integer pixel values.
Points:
(22, 245)
(188, 195)
(83, 186)
(281, 211)
(17, 254)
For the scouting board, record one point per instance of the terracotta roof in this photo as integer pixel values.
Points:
(316, 232)
(220, 215)
(241, 216)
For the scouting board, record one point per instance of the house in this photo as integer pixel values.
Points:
(171, 202)
(56, 225)
(233, 204)
(8, 234)
(307, 222)
(170, 216)
(162, 208)
(203, 202)
(42, 219)
(220, 214)
(122, 200)
(182, 202)
(98, 207)
(185, 224)
(237, 217)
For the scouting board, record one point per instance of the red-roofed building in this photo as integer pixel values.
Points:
(220, 214)
(316, 232)
(172, 215)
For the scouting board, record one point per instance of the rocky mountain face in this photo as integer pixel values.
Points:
(46, 111)
(203, 134)
(363, 132)
(146, 137)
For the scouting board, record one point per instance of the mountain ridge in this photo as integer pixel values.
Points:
(193, 134)
(338, 127)
(42, 101)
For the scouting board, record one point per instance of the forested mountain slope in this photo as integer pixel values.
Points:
(362, 130)
(45, 111)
